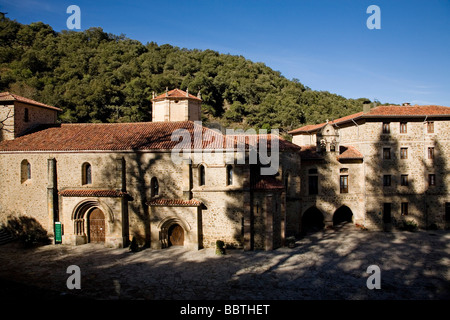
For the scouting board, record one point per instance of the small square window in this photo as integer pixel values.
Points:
(404, 180)
(404, 208)
(430, 152)
(344, 184)
(403, 127)
(387, 180)
(403, 153)
(387, 153)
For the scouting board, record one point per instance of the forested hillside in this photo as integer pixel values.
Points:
(98, 77)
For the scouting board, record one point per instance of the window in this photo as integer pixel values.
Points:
(404, 180)
(286, 182)
(313, 182)
(86, 173)
(344, 184)
(201, 173)
(386, 153)
(229, 175)
(447, 211)
(403, 127)
(154, 187)
(26, 116)
(430, 127)
(343, 170)
(25, 171)
(430, 152)
(404, 208)
(431, 180)
(386, 180)
(403, 153)
(386, 127)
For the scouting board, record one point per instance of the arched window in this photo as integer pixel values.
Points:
(25, 171)
(154, 187)
(86, 173)
(229, 175)
(201, 173)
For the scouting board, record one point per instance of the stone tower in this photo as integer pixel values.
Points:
(176, 105)
(328, 139)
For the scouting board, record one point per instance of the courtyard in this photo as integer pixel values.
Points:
(328, 264)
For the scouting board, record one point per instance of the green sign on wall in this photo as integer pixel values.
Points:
(58, 232)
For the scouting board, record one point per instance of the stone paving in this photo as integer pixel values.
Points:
(330, 264)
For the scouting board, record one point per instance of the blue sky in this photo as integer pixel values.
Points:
(323, 43)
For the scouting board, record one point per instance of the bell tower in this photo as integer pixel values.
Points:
(176, 105)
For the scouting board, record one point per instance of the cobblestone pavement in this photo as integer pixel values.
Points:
(329, 264)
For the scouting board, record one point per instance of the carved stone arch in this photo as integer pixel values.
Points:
(312, 220)
(80, 215)
(166, 224)
(86, 205)
(342, 214)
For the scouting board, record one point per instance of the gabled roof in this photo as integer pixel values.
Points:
(309, 152)
(6, 96)
(129, 137)
(176, 94)
(382, 112)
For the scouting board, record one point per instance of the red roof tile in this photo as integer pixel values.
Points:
(268, 183)
(309, 152)
(383, 111)
(176, 94)
(126, 137)
(349, 152)
(6, 96)
(92, 193)
(174, 203)
(345, 153)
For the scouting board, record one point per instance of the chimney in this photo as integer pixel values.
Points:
(366, 106)
(406, 104)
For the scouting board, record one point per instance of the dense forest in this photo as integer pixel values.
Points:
(95, 76)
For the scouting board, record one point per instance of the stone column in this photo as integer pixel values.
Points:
(52, 194)
(268, 220)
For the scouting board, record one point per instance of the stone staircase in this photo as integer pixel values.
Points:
(5, 237)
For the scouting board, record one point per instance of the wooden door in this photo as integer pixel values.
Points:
(176, 235)
(96, 226)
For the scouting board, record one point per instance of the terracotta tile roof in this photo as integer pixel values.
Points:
(349, 152)
(6, 96)
(383, 111)
(309, 152)
(176, 94)
(174, 203)
(345, 153)
(92, 193)
(268, 183)
(254, 140)
(124, 137)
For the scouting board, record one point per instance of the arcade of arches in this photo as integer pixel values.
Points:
(313, 220)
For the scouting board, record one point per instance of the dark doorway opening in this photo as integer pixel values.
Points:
(312, 221)
(342, 216)
(176, 235)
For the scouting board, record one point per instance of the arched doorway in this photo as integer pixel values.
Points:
(176, 235)
(342, 216)
(96, 225)
(312, 221)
